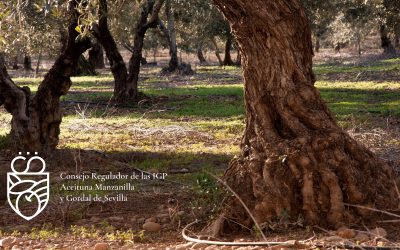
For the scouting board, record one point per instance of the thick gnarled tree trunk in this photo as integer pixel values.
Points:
(126, 80)
(386, 43)
(36, 119)
(217, 54)
(152, 8)
(199, 53)
(228, 46)
(173, 49)
(96, 56)
(295, 158)
(117, 64)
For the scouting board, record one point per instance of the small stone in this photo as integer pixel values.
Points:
(378, 232)
(15, 247)
(101, 246)
(16, 241)
(199, 246)
(346, 233)
(361, 237)
(152, 227)
(7, 242)
(151, 219)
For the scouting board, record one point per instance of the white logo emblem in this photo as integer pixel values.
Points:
(28, 190)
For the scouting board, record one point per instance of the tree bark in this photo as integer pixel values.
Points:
(217, 54)
(151, 7)
(85, 68)
(15, 63)
(228, 45)
(173, 50)
(117, 64)
(96, 56)
(200, 55)
(294, 159)
(39, 61)
(317, 44)
(126, 80)
(386, 44)
(27, 63)
(36, 119)
(239, 56)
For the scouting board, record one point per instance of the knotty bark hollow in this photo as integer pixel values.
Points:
(36, 119)
(294, 159)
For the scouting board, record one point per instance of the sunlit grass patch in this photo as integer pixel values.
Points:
(346, 98)
(194, 118)
(377, 66)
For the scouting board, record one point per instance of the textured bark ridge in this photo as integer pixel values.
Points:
(295, 159)
(36, 119)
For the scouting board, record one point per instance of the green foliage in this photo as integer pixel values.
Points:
(34, 24)
(208, 192)
(84, 232)
(4, 141)
(47, 231)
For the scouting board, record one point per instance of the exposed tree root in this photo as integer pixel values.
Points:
(313, 177)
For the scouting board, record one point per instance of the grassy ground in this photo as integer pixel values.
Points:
(195, 123)
(201, 114)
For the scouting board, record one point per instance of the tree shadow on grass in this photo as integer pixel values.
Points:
(347, 101)
(228, 102)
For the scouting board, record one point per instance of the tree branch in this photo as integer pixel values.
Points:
(164, 30)
(57, 81)
(128, 46)
(156, 7)
(13, 97)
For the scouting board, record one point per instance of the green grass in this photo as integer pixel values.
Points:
(210, 106)
(197, 124)
(361, 99)
(383, 65)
